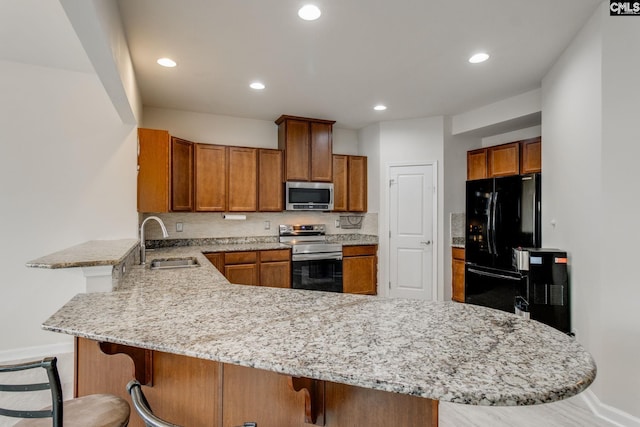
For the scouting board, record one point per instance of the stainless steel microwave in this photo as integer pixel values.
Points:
(308, 196)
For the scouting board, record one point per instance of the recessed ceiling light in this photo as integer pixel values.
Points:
(309, 12)
(257, 86)
(167, 62)
(380, 107)
(479, 57)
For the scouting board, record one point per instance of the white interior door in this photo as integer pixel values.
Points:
(411, 198)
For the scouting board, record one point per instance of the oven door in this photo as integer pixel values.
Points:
(492, 288)
(317, 272)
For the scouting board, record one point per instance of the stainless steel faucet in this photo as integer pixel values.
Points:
(143, 255)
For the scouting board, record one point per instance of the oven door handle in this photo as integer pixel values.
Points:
(316, 257)
(494, 275)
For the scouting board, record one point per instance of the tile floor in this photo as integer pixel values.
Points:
(571, 412)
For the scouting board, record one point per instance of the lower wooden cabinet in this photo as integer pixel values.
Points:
(457, 274)
(360, 269)
(270, 268)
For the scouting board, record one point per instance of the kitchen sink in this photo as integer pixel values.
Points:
(166, 264)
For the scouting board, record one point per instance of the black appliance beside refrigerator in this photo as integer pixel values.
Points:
(503, 214)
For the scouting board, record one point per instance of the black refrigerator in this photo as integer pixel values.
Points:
(501, 214)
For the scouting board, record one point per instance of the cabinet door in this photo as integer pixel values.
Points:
(153, 170)
(242, 274)
(217, 259)
(357, 183)
(477, 164)
(275, 274)
(181, 175)
(293, 138)
(321, 151)
(270, 183)
(211, 181)
(457, 266)
(503, 160)
(531, 156)
(340, 182)
(360, 269)
(243, 179)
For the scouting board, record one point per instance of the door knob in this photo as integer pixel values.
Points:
(428, 242)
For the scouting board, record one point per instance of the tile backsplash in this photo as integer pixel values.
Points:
(212, 224)
(457, 228)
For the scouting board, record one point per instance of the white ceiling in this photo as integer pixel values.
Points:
(408, 54)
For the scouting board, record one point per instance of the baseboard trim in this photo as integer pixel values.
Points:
(609, 413)
(36, 352)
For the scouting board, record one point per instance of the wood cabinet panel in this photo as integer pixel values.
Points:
(476, 164)
(240, 257)
(275, 274)
(360, 269)
(531, 156)
(357, 175)
(154, 158)
(294, 139)
(242, 274)
(457, 275)
(270, 181)
(210, 178)
(340, 183)
(183, 387)
(242, 179)
(503, 160)
(181, 175)
(321, 151)
(275, 255)
(217, 259)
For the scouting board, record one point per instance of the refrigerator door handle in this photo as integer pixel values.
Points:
(489, 224)
(494, 275)
(493, 225)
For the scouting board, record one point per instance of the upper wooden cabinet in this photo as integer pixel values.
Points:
(503, 160)
(243, 179)
(270, 188)
(531, 156)
(154, 161)
(181, 175)
(349, 183)
(210, 178)
(477, 164)
(307, 145)
(514, 158)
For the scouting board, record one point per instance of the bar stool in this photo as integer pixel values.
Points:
(97, 410)
(142, 406)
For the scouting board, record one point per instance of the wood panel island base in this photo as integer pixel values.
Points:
(195, 392)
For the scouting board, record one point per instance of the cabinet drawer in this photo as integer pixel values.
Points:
(457, 253)
(275, 255)
(240, 257)
(359, 250)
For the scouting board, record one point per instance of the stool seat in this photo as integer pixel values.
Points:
(96, 410)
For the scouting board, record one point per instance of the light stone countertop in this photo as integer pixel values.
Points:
(439, 350)
(89, 254)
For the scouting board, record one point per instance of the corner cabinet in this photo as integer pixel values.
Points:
(307, 144)
(271, 268)
(154, 161)
(181, 175)
(360, 269)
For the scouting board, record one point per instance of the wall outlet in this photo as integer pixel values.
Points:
(179, 227)
(267, 225)
(337, 223)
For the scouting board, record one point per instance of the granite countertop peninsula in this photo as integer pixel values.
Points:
(438, 350)
(89, 254)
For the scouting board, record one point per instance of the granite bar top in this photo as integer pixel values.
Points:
(88, 254)
(439, 350)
